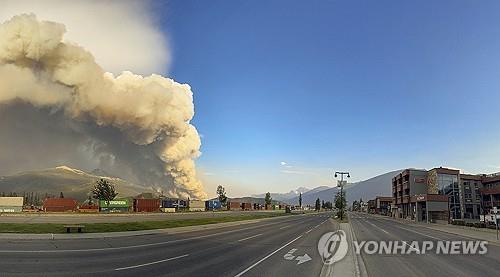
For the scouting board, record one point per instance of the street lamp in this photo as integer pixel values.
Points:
(341, 190)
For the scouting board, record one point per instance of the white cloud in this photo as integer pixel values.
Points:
(110, 30)
(283, 163)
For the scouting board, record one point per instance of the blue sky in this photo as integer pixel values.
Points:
(364, 86)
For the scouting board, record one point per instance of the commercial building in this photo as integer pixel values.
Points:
(470, 186)
(443, 194)
(371, 206)
(383, 205)
(490, 192)
(11, 204)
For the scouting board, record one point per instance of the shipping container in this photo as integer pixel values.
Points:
(11, 204)
(114, 206)
(232, 205)
(11, 201)
(177, 204)
(86, 208)
(211, 205)
(196, 205)
(246, 206)
(60, 205)
(146, 205)
(11, 209)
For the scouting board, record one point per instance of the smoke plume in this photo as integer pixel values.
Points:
(58, 105)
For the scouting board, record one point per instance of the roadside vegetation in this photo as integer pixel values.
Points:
(47, 228)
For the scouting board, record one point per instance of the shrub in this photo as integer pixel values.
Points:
(492, 227)
(479, 225)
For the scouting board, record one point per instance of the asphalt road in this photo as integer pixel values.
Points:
(67, 218)
(370, 227)
(256, 249)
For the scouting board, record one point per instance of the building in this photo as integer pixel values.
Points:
(383, 205)
(407, 184)
(470, 196)
(371, 206)
(11, 204)
(490, 192)
(416, 195)
(443, 194)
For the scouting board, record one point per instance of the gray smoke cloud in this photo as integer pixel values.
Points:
(57, 105)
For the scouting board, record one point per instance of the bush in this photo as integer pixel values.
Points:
(469, 224)
(492, 227)
(479, 225)
(459, 222)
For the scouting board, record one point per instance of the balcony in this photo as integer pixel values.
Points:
(406, 185)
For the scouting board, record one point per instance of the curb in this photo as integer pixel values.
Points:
(360, 263)
(166, 231)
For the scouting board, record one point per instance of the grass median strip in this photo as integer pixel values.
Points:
(44, 228)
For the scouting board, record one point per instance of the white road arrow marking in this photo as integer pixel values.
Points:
(289, 256)
(303, 259)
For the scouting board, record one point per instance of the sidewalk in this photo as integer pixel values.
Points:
(478, 234)
(470, 232)
(351, 265)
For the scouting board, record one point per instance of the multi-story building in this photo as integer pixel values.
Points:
(470, 196)
(405, 187)
(423, 195)
(443, 194)
(490, 192)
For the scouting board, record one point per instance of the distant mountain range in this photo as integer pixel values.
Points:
(72, 182)
(283, 196)
(77, 184)
(368, 189)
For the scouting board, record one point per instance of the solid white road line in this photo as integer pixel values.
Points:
(250, 237)
(284, 227)
(266, 257)
(152, 263)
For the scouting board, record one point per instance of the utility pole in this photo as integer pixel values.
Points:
(342, 190)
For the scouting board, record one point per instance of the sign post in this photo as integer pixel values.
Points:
(495, 211)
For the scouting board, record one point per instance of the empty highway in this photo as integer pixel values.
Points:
(254, 249)
(371, 227)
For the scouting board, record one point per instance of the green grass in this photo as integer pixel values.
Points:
(44, 228)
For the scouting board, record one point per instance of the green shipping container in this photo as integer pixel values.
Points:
(115, 206)
(117, 203)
